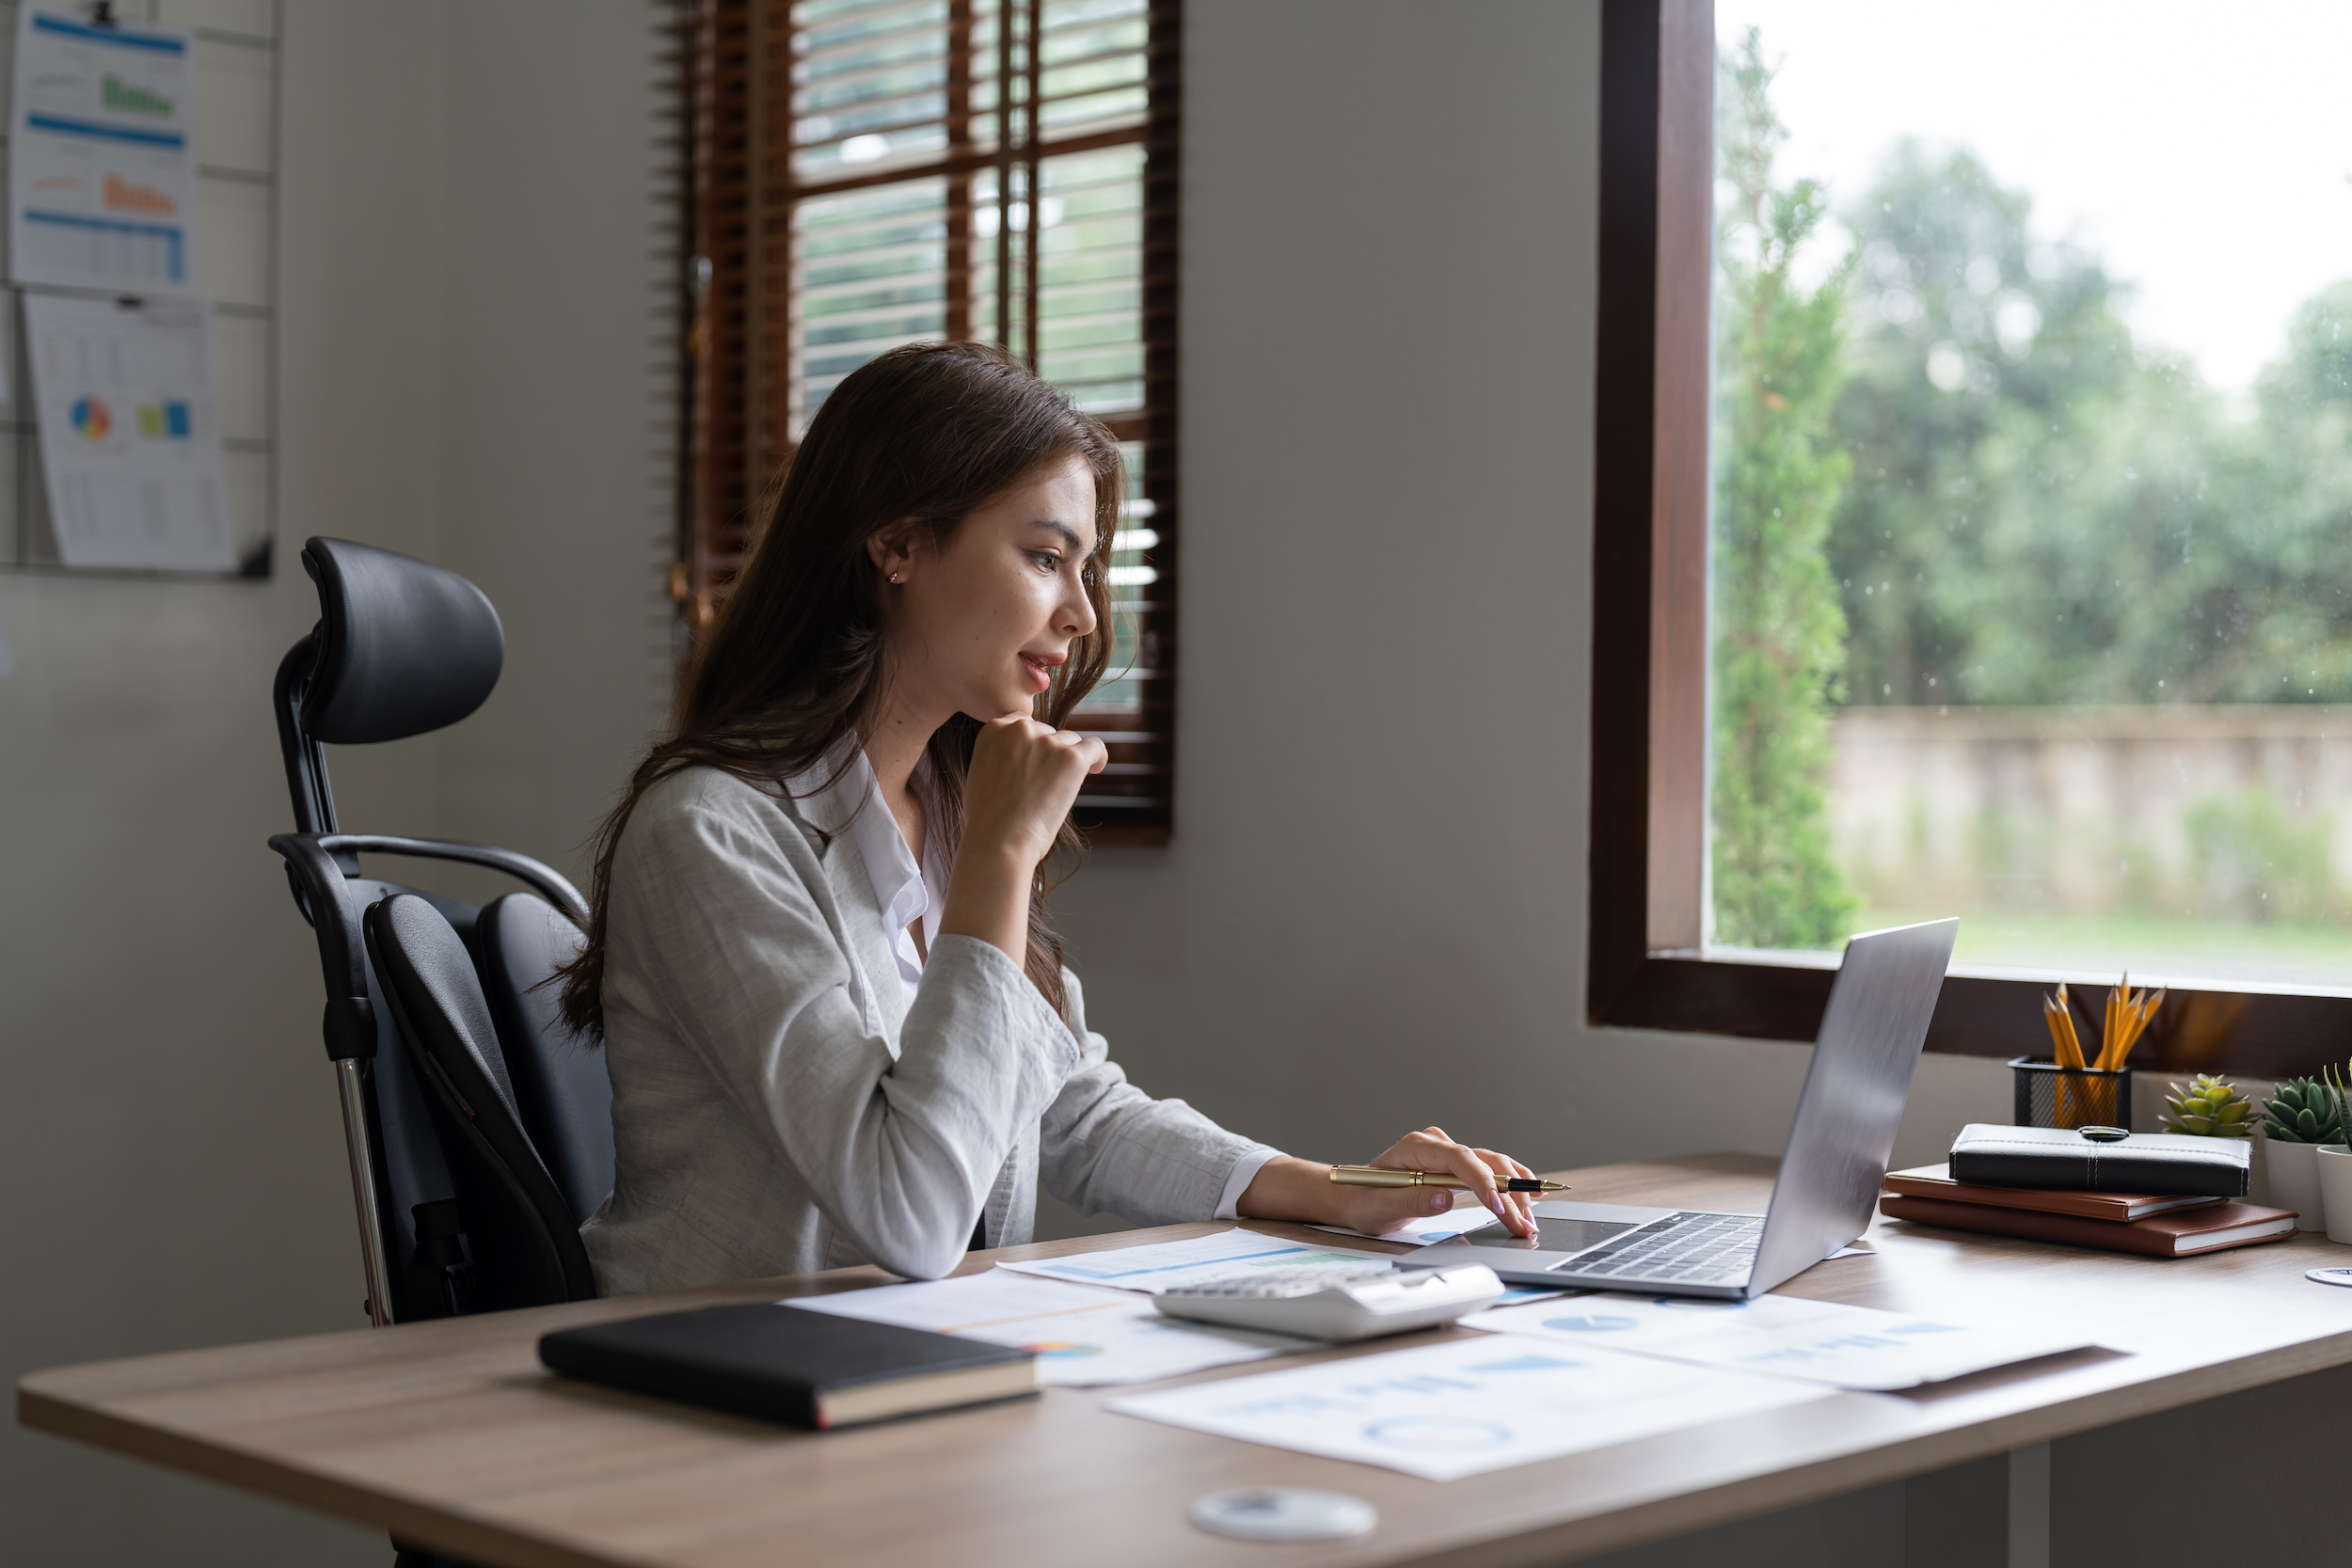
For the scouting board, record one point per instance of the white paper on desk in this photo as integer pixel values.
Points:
(1165, 1266)
(1467, 1406)
(1084, 1337)
(101, 175)
(1819, 1341)
(129, 447)
(1423, 1229)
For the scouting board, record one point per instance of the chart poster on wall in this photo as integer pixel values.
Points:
(102, 173)
(128, 443)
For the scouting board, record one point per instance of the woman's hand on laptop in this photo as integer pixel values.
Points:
(1289, 1189)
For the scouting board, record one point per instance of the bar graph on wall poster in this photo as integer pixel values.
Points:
(101, 167)
(145, 156)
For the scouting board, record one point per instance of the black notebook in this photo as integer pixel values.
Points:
(807, 1368)
(2062, 1160)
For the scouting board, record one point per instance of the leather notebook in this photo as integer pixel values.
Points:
(1936, 1182)
(2180, 1234)
(2060, 1159)
(805, 1369)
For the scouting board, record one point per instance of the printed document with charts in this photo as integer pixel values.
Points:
(102, 169)
(1820, 1342)
(1467, 1406)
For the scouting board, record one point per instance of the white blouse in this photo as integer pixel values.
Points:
(786, 1097)
(843, 791)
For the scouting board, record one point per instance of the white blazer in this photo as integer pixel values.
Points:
(784, 1100)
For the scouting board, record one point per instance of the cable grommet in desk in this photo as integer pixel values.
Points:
(1283, 1513)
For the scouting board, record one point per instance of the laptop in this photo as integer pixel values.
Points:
(1838, 1146)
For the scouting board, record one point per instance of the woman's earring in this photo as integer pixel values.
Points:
(898, 577)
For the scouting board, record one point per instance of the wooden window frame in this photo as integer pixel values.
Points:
(1646, 965)
(736, 189)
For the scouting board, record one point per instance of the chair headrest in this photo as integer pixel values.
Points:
(404, 646)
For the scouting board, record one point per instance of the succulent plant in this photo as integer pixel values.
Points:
(2209, 1107)
(2304, 1111)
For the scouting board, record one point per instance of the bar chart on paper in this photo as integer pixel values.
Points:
(102, 171)
(129, 450)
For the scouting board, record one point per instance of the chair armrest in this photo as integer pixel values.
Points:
(544, 879)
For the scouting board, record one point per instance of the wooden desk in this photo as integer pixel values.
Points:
(451, 1434)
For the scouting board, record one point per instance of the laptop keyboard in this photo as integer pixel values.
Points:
(1683, 1250)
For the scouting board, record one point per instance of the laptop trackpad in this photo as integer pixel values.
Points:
(1551, 1235)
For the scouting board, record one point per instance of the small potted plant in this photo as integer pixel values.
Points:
(2299, 1119)
(2208, 1107)
(2334, 1164)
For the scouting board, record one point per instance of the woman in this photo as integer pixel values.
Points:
(836, 1016)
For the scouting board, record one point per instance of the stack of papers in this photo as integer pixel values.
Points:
(1547, 1378)
(1819, 1341)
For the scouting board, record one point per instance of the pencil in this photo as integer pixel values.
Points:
(1385, 1176)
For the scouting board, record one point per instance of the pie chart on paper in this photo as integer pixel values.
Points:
(91, 419)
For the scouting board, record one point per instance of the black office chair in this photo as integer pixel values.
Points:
(524, 1235)
(403, 648)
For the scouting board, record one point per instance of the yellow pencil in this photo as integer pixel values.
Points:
(2117, 1006)
(2066, 1050)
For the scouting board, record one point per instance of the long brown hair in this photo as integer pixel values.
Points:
(794, 661)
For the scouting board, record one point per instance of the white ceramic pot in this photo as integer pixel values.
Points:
(2294, 1182)
(2335, 1190)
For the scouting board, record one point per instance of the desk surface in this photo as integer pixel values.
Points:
(451, 1434)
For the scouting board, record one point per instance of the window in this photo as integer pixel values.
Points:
(2008, 601)
(860, 174)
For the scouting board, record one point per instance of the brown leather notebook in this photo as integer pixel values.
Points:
(1935, 1181)
(2175, 1235)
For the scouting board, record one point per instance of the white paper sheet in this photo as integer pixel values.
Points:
(1165, 1265)
(1467, 1406)
(102, 173)
(1085, 1338)
(1819, 1341)
(129, 448)
(1426, 1228)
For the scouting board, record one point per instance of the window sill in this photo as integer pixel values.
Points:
(2254, 1030)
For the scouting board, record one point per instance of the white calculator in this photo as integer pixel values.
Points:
(1335, 1304)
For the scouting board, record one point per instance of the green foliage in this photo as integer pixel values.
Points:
(1779, 635)
(2303, 1111)
(2332, 1085)
(2210, 1107)
(2044, 513)
(2248, 859)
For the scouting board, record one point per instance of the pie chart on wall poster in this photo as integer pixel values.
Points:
(91, 417)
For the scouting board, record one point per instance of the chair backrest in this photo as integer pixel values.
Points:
(561, 1088)
(525, 1241)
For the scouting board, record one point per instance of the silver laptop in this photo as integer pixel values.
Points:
(1838, 1144)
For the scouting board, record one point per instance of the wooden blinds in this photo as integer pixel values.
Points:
(860, 174)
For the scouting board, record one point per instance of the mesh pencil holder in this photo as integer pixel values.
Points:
(2049, 1095)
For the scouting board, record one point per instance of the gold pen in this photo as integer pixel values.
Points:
(1383, 1176)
